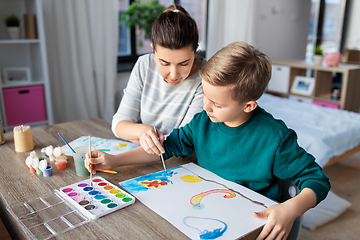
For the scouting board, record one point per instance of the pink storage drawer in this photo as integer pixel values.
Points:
(24, 105)
(326, 104)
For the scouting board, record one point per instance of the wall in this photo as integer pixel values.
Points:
(352, 32)
(281, 28)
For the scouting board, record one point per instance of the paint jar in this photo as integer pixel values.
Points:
(2, 139)
(79, 160)
(43, 152)
(23, 139)
(32, 169)
(61, 163)
(38, 171)
(48, 171)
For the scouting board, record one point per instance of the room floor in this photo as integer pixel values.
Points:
(345, 182)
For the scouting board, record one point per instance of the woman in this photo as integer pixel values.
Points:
(164, 90)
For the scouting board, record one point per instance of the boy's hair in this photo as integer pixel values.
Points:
(240, 66)
(175, 29)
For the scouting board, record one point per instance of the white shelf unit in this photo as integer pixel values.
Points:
(24, 53)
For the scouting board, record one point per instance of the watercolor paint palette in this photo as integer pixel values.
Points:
(69, 207)
(97, 199)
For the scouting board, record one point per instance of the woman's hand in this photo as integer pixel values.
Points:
(151, 141)
(99, 160)
(147, 136)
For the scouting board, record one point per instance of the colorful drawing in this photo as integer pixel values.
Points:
(207, 234)
(111, 146)
(195, 200)
(151, 181)
(229, 206)
(154, 183)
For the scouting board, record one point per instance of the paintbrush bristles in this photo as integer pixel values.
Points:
(106, 171)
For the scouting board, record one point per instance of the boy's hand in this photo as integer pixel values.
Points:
(99, 160)
(281, 217)
(151, 141)
(279, 223)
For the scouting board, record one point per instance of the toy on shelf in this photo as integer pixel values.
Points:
(332, 59)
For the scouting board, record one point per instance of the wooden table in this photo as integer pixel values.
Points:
(18, 185)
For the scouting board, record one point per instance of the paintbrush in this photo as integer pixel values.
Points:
(106, 171)
(161, 156)
(66, 143)
(90, 166)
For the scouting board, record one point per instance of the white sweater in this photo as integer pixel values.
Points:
(148, 99)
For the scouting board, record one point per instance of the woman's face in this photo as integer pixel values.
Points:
(174, 65)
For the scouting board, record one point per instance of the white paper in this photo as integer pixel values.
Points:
(199, 203)
(111, 146)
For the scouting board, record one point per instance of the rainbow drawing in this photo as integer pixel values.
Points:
(195, 200)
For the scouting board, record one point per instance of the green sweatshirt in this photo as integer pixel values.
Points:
(255, 154)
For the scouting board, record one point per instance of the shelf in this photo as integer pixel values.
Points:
(19, 41)
(30, 55)
(324, 80)
(343, 67)
(300, 95)
(22, 84)
(351, 56)
(327, 98)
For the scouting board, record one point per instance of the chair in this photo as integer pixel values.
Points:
(289, 190)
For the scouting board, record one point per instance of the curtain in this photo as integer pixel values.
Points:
(229, 21)
(81, 41)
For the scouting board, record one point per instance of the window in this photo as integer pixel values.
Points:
(326, 26)
(128, 46)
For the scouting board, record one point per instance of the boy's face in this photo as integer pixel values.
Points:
(174, 65)
(220, 106)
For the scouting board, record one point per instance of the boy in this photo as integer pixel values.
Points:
(236, 139)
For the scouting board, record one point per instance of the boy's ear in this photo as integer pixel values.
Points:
(250, 106)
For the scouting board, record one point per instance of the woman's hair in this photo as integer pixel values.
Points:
(175, 29)
(241, 67)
